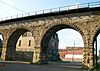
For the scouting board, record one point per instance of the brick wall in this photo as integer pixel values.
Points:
(71, 54)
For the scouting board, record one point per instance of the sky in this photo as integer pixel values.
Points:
(8, 7)
(14, 7)
(69, 37)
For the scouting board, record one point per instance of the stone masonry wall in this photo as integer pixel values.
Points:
(86, 24)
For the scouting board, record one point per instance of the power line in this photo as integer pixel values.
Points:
(4, 11)
(11, 6)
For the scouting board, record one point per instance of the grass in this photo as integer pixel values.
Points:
(97, 67)
(98, 57)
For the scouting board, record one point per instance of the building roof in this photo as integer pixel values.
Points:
(70, 48)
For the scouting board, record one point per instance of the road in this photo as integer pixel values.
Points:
(47, 67)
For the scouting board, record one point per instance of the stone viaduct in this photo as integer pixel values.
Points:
(84, 20)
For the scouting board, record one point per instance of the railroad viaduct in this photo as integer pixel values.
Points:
(84, 20)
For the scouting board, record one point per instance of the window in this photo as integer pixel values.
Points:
(19, 42)
(29, 43)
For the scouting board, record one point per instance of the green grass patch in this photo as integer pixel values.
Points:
(98, 57)
(97, 67)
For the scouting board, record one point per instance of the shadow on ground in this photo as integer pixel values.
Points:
(47, 67)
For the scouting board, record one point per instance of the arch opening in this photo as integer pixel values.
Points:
(52, 50)
(1, 44)
(20, 46)
(96, 48)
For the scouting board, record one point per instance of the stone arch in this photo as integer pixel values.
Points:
(94, 35)
(12, 41)
(69, 25)
(58, 26)
(95, 32)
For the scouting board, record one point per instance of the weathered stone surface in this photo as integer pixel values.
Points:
(36, 55)
(87, 24)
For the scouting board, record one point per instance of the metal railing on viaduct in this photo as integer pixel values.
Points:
(59, 9)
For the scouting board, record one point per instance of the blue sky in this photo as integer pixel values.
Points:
(7, 8)
(34, 5)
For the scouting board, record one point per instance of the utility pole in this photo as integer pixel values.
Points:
(74, 43)
(88, 45)
(73, 51)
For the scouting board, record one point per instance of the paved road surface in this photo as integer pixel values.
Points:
(47, 67)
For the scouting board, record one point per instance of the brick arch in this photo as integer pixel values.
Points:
(70, 25)
(13, 38)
